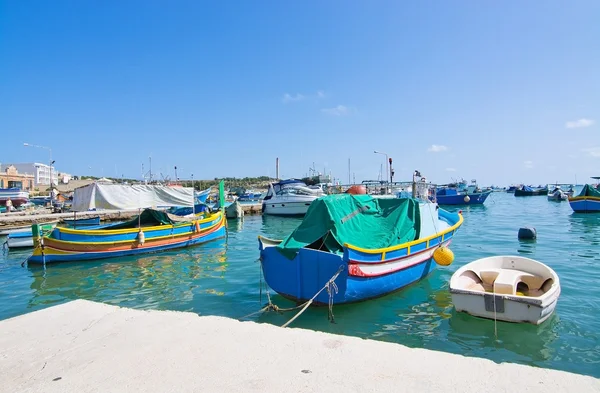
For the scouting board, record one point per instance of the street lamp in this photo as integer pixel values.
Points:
(51, 162)
(387, 172)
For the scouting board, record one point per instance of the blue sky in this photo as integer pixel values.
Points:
(504, 92)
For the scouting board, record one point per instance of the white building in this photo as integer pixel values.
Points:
(64, 178)
(40, 172)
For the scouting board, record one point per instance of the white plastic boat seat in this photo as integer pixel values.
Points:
(488, 276)
(506, 282)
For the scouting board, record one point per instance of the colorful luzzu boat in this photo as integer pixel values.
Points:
(588, 200)
(370, 246)
(151, 231)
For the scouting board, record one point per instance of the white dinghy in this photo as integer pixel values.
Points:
(506, 288)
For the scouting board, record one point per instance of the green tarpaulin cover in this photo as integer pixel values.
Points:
(148, 217)
(359, 220)
(589, 190)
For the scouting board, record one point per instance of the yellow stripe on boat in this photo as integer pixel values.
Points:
(408, 244)
(584, 198)
(134, 230)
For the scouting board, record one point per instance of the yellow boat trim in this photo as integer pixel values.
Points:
(207, 229)
(584, 198)
(408, 244)
(135, 230)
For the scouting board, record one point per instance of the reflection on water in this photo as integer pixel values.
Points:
(147, 281)
(223, 278)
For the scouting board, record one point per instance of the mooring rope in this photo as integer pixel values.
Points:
(327, 285)
(330, 285)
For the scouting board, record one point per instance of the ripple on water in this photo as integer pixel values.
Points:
(222, 278)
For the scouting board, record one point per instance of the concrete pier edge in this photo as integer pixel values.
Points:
(84, 346)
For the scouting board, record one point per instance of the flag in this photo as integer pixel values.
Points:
(222, 194)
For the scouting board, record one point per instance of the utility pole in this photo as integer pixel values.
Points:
(349, 171)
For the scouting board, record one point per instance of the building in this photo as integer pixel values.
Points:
(64, 178)
(10, 177)
(40, 172)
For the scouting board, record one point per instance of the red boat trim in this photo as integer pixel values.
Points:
(355, 270)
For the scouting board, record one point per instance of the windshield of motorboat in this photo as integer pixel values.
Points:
(298, 190)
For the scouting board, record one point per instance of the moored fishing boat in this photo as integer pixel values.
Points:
(588, 200)
(557, 195)
(528, 191)
(75, 222)
(451, 196)
(506, 288)
(370, 246)
(151, 231)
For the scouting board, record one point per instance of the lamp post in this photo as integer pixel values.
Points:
(387, 171)
(51, 162)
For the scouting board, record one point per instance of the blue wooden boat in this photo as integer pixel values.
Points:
(201, 196)
(588, 200)
(151, 231)
(451, 196)
(250, 196)
(188, 210)
(375, 246)
(82, 221)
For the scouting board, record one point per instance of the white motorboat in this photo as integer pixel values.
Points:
(289, 197)
(557, 194)
(506, 288)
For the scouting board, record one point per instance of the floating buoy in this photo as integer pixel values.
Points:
(527, 233)
(141, 238)
(443, 256)
(357, 190)
(467, 198)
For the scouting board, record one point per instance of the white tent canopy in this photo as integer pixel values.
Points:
(102, 196)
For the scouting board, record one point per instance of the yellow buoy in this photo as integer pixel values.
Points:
(467, 198)
(443, 256)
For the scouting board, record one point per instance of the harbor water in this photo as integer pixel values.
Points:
(223, 278)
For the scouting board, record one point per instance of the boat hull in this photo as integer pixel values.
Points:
(558, 198)
(301, 278)
(585, 204)
(519, 192)
(19, 242)
(83, 221)
(280, 207)
(54, 250)
(517, 310)
(474, 199)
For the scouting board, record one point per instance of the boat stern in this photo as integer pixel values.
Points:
(305, 275)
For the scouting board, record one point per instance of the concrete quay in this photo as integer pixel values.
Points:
(83, 346)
